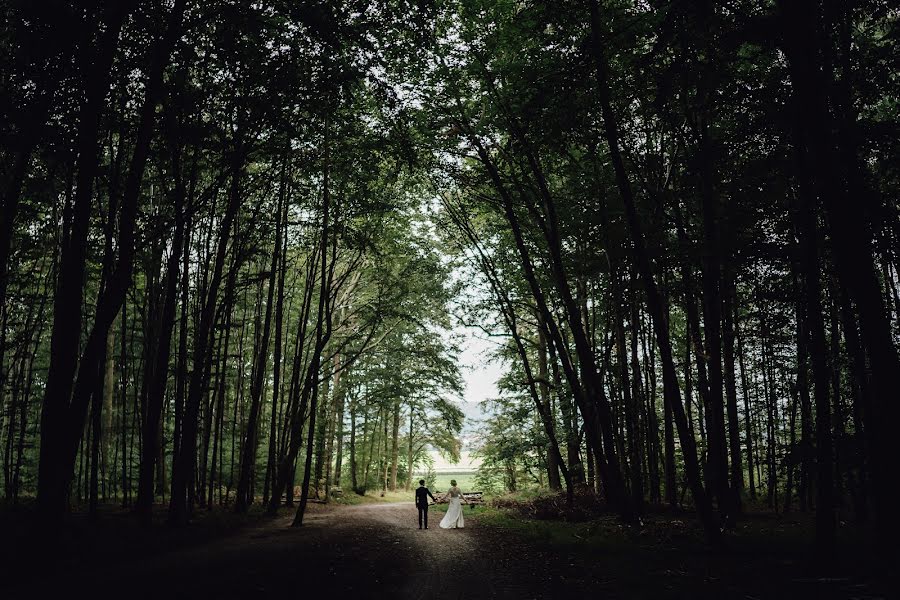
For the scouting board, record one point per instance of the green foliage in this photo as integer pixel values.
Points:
(469, 178)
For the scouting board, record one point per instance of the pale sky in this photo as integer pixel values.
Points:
(479, 372)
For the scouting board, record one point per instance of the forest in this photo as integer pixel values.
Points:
(238, 240)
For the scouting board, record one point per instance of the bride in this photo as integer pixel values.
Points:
(454, 517)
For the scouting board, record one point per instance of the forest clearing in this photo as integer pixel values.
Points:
(628, 271)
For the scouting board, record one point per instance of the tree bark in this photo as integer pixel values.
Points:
(553, 454)
(734, 426)
(150, 447)
(748, 415)
(243, 498)
(851, 238)
(57, 457)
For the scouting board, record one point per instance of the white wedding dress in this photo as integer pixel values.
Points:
(454, 517)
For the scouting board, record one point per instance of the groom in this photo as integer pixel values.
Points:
(422, 494)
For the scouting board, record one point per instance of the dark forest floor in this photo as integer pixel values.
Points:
(377, 551)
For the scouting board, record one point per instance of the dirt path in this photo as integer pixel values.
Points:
(364, 551)
(377, 551)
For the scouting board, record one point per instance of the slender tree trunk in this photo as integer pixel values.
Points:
(569, 418)
(669, 470)
(336, 413)
(184, 463)
(339, 427)
(805, 448)
(243, 498)
(770, 400)
(789, 460)
(861, 401)
(108, 395)
(321, 435)
(553, 462)
(152, 424)
(748, 416)
(652, 435)
(734, 426)
(395, 446)
(354, 483)
(629, 390)
(96, 437)
(276, 360)
(323, 320)
(410, 460)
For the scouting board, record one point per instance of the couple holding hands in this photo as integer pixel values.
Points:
(454, 517)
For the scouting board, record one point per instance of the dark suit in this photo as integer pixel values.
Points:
(422, 494)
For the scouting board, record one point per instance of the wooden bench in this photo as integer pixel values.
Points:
(472, 498)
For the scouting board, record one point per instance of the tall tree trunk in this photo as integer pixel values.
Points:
(851, 238)
(108, 395)
(340, 395)
(395, 446)
(734, 426)
(323, 318)
(669, 470)
(789, 460)
(184, 463)
(276, 360)
(861, 401)
(354, 483)
(248, 460)
(803, 60)
(805, 448)
(748, 416)
(321, 434)
(771, 415)
(570, 422)
(113, 295)
(410, 458)
(628, 398)
(652, 434)
(96, 437)
(57, 456)
(150, 449)
(553, 462)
